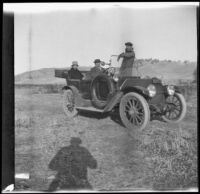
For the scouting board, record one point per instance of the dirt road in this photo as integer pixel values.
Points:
(163, 156)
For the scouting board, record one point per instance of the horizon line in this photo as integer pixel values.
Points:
(67, 66)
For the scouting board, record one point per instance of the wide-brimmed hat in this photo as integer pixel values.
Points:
(74, 63)
(97, 61)
(128, 44)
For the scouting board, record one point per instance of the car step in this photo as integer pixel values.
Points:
(90, 109)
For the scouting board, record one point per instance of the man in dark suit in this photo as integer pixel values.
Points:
(74, 73)
(97, 69)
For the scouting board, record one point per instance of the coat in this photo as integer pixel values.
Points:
(75, 74)
(128, 60)
(94, 71)
(126, 68)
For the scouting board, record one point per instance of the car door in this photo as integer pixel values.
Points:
(85, 89)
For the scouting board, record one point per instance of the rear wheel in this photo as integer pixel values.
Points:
(134, 111)
(69, 103)
(175, 108)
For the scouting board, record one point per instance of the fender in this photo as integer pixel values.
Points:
(177, 89)
(77, 95)
(139, 89)
(66, 88)
(128, 86)
(113, 101)
(119, 94)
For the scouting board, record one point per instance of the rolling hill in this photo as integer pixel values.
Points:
(167, 70)
(41, 76)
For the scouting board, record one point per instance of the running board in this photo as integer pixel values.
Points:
(90, 108)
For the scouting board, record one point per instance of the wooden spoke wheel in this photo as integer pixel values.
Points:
(134, 111)
(175, 108)
(69, 103)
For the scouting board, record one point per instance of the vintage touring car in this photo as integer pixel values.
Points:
(137, 100)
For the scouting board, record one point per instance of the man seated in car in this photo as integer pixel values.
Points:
(97, 69)
(128, 56)
(74, 73)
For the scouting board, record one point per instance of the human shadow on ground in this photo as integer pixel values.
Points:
(71, 164)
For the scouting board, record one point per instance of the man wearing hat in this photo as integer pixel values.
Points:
(128, 60)
(97, 69)
(74, 73)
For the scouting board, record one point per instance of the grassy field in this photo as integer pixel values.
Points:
(162, 157)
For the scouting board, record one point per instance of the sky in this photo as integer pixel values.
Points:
(55, 38)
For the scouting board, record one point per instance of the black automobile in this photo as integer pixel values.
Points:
(137, 100)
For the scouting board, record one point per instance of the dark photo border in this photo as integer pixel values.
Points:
(8, 143)
(8, 98)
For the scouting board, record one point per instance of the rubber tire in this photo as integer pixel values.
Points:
(183, 113)
(66, 94)
(95, 101)
(123, 117)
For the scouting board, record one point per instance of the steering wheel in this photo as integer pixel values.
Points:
(110, 71)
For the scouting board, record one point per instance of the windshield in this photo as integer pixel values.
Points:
(114, 62)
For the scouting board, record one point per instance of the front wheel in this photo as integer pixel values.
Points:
(175, 108)
(134, 111)
(69, 103)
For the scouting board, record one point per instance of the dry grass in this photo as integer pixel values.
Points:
(40, 88)
(163, 156)
(187, 89)
(174, 158)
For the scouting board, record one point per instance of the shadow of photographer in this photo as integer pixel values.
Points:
(71, 164)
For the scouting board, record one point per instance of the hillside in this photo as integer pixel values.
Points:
(168, 70)
(40, 76)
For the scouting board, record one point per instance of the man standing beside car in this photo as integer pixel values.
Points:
(128, 56)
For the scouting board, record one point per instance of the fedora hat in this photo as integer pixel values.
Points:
(97, 61)
(128, 44)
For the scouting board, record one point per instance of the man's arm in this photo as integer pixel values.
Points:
(80, 75)
(121, 55)
(91, 161)
(54, 163)
(69, 73)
